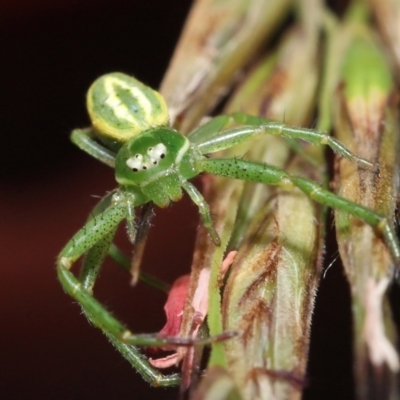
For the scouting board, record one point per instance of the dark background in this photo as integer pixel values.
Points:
(50, 53)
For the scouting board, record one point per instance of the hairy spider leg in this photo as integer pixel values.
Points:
(211, 137)
(96, 232)
(116, 332)
(95, 256)
(85, 140)
(94, 238)
(262, 173)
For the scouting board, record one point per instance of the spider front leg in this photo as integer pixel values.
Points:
(261, 173)
(116, 332)
(94, 240)
(96, 255)
(210, 137)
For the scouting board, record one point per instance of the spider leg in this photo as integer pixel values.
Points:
(253, 126)
(143, 227)
(95, 256)
(94, 240)
(116, 332)
(204, 210)
(209, 129)
(85, 140)
(261, 173)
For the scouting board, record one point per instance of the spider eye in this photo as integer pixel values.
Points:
(140, 162)
(157, 153)
(135, 163)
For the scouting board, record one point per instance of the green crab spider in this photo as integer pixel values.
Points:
(153, 165)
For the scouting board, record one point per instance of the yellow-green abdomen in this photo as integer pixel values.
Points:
(121, 107)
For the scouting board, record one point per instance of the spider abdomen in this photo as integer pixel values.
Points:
(121, 107)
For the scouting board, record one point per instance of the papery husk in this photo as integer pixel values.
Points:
(220, 37)
(269, 294)
(366, 121)
(387, 15)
